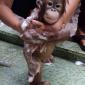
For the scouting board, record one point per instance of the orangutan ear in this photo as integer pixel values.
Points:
(39, 3)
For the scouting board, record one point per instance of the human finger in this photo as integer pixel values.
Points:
(38, 24)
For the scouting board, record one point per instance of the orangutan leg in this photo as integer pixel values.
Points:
(46, 52)
(38, 80)
(33, 63)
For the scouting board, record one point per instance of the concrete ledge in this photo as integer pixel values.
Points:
(11, 38)
(9, 35)
(70, 51)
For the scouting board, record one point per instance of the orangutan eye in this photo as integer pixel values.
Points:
(50, 4)
(58, 5)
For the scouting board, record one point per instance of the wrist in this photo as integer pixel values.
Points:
(18, 28)
(58, 25)
(21, 24)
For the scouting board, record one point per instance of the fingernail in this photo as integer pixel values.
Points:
(33, 21)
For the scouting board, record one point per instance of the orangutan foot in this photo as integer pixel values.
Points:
(41, 83)
(44, 83)
(49, 61)
(33, 70)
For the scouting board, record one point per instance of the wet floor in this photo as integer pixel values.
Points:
(61, 72)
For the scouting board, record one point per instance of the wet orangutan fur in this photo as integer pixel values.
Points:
(48, 12)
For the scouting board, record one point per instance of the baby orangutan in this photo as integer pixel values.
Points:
(35, 52)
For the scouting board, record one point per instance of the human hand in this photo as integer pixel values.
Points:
(55, 32)
(33, 33)
(46, 33)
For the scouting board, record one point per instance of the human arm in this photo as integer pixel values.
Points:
(10, 19)
(71, 6)
(7, 15)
